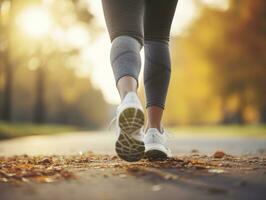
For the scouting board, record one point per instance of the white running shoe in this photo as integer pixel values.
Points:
(130, 120)
(155, 145)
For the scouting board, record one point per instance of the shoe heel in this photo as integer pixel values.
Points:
(131, 119)
(127, 148)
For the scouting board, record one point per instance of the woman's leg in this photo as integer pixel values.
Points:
(126, 63)
(157, 72)
(124, 19)
(157, 67)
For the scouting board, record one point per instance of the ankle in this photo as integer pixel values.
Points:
(125, 85)
(130, 96)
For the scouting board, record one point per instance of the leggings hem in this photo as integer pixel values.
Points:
(129, 34)
(127, 75)
(155, 104)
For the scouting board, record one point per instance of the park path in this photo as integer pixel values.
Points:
(103, 142)
(108, 178)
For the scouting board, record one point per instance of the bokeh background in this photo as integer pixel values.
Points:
(55, 74)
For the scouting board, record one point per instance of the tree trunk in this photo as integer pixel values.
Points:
(263, 115)
(40, 96)
(7, 93)
(8, 69)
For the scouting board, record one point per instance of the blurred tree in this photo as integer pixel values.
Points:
(46, 67)
(219, 66)
(81, 14)
(239, 56)
(7, 19)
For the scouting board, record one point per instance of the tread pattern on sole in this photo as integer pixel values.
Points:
(155, 155)
(131, 119)
(128, 148)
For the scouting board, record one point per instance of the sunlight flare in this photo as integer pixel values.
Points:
(35, 21)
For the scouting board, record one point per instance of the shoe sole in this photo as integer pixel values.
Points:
(155, 155)
(127, 148)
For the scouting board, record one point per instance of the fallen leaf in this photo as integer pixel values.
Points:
(216, 171)
(194, 151)
(122, 175)
(156, 188)
(219, 154)
(201, 167)
(5, 180)
(45, 179)
(45, 161)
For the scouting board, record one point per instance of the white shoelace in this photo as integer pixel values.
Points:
(111, 123)
(167, 134)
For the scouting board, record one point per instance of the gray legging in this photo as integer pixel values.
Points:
(136, 23)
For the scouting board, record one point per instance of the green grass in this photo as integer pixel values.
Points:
(220, 131)
(12, 130)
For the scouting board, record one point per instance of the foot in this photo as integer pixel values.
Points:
(130, 118)
(155, 145)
